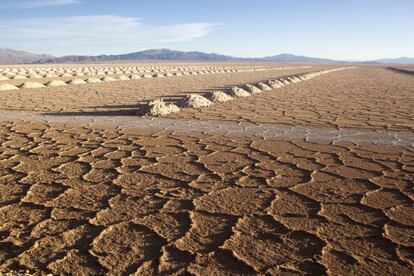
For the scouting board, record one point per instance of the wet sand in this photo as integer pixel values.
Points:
(227, 192)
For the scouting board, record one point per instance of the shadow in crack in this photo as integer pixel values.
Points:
(123, 112)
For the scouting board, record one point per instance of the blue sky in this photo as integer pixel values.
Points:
(348, 29)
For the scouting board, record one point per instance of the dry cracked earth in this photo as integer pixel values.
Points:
(98, 199)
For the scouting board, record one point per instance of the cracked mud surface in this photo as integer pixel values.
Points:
(363, 97)
(80, 198)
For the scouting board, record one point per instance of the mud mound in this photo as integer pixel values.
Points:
(159, 76)
(194, 101)
(238, 92)
(6, 87)
(76, 81)
(219, 96)
(160, 108)
(146, 76)
(3, 78)
(169, 74)
(264, 87)
(51, 76)
(135, 77)
(93, 80)
(56, 83)
(252, 89)
(31, 84)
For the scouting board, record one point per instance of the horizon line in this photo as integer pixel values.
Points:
(211, 53)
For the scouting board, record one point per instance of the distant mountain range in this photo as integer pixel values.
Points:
(154, 54)
(8, 56)
(170, 55)
(400, 60)
(288, 58)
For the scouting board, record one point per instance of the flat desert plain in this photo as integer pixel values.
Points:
(289, 169)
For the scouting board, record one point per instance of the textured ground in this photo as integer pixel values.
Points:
(363, 97)
(79, 199)
(121, 96)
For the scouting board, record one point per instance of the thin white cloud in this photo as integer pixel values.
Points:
(31, 4)
(104, 33)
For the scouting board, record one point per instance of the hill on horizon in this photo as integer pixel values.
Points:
(9, 56)
(151, 54)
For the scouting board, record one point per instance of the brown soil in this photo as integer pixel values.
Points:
(126, 94)
(86, 199)
(363, 97)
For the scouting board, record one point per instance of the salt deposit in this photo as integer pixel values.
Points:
(275, 84)
(160, 108)
(238, 92)
(194, 101)
(123, 77)
(7, 87)
(56, 83)
(263, 86)
(31, 84)
(284, 81)
(219, 96)
(108, 79)
(76, 81)
(252, 89)
(93, 80)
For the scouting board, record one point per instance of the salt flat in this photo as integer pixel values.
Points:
(313, 177)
